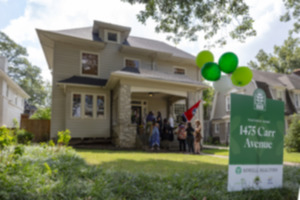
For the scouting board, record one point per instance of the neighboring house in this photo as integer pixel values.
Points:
(105, 81)
(12, 97)
(276, 86)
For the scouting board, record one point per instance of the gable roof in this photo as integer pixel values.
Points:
(132, 41)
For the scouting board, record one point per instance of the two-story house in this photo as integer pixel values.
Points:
(102, 76)
(12, 97)
(276, 86)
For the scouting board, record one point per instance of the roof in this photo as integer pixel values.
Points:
(78, 80)
(289, 81)
(132, 41)
(157, 75)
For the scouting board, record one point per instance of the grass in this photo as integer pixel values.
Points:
(46, 172)
(287, 156)
(154, 163)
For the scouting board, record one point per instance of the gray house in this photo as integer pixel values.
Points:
(12, 97)
(104, 79)
(276, 86)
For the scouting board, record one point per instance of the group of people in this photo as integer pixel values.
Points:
(161, 131)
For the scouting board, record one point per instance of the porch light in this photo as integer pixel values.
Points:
(150, 94)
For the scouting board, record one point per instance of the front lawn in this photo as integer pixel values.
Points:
(287, 156)
(152, 163)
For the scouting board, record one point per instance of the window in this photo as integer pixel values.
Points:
(112, 36)
(227, 103)
(76, 107)
(217, 128)
(89, 64)
(280, 95)
(93, 106)
(297, 100)
(132, 63)
(179, 109)
(178, 70)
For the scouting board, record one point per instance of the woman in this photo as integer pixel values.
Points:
(155, 136)
(198, 136)
(181, 136)
(190, 137)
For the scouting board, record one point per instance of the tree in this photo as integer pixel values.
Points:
(292, 13)
(286, 58)
(42, 113)
(26, 75)
(208, 96)
(186, 18)
(292, 139)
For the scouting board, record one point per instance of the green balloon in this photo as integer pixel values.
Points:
(228, 62)
(211, 71)
(241, 76)
(204, 57)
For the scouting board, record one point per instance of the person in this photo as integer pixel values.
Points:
(155, 136)
(165, 134)
(171, 123)
(190, 137)
(159, 121)
(149, 120)
(181, 136)
(198, 136)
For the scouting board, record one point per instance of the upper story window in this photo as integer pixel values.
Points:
(132, 63)
(179, 70)
(112, 36)
(89, 64)
(280, 95)
(227, 103)
(297, 100)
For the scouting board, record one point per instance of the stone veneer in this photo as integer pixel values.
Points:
(125, 132)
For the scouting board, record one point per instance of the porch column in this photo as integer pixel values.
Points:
(127, 131)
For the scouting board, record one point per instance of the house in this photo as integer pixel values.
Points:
(104, 78)
(276, 86)
(12, 97)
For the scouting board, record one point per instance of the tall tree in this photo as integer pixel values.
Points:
(284, 59)
(292, 14)
(186, 18)
(26, 75)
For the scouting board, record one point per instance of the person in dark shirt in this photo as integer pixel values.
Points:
(190, 137)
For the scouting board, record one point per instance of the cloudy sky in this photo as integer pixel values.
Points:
(20, 18)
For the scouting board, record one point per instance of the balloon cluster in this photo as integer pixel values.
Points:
(228, 63)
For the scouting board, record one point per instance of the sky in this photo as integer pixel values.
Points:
(19, 19)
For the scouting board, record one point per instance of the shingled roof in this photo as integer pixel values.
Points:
(84, 81)
(132, 41)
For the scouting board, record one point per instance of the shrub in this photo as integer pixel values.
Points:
(42, 113)
(6, 137)
(64, 137)
(23, 136)
(292, 139)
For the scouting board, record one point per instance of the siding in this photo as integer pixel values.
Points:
(88, 127)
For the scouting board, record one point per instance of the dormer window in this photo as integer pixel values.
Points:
(129, 62)
(89, 63)
(280, 95)
(112, 36)
(179, 70)
(297, 100)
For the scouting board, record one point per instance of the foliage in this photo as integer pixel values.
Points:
(59, 173)
(185, 19)
(292, 13)
(26, 75)
(208, 96)
(23, 136)
(6, 137)
(42, 113)
(64, 137)
(285, 59)
(292, 139)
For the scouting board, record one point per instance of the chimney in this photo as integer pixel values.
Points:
(297, 71)
(3, 63)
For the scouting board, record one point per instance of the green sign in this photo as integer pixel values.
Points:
(256, 142)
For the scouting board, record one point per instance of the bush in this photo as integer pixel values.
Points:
(64, 137)
(42, 113)
(23, 136)
(6, 137)
(292, 139)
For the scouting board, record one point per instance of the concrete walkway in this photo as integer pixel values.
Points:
(226, 157)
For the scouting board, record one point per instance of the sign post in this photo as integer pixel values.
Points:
(256, 142)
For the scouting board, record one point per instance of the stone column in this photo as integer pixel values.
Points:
(127, 132)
